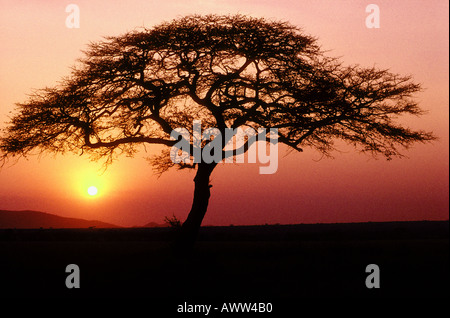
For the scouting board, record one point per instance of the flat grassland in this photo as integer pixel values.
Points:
(243, 263)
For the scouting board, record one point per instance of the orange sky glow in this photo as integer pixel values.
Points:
(38, 51)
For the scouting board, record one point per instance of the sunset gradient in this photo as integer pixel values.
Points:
(38, 50)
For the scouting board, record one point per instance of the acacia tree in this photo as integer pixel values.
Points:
(227, 71)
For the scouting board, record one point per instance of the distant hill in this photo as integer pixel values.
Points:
(154, 224)
(150, 224)
(35, 220)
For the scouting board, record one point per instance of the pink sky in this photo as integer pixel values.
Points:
(38, 49)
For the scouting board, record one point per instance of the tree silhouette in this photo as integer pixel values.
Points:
(228, 72)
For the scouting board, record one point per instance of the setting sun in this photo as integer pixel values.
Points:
(87, 181)
(92, 191)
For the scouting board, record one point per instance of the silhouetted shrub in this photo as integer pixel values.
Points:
(173, 221)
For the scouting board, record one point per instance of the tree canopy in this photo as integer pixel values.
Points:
(227, 71)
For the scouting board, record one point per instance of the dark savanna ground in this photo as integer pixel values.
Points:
(241, 263)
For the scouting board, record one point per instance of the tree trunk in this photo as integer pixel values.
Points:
(190, 228)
